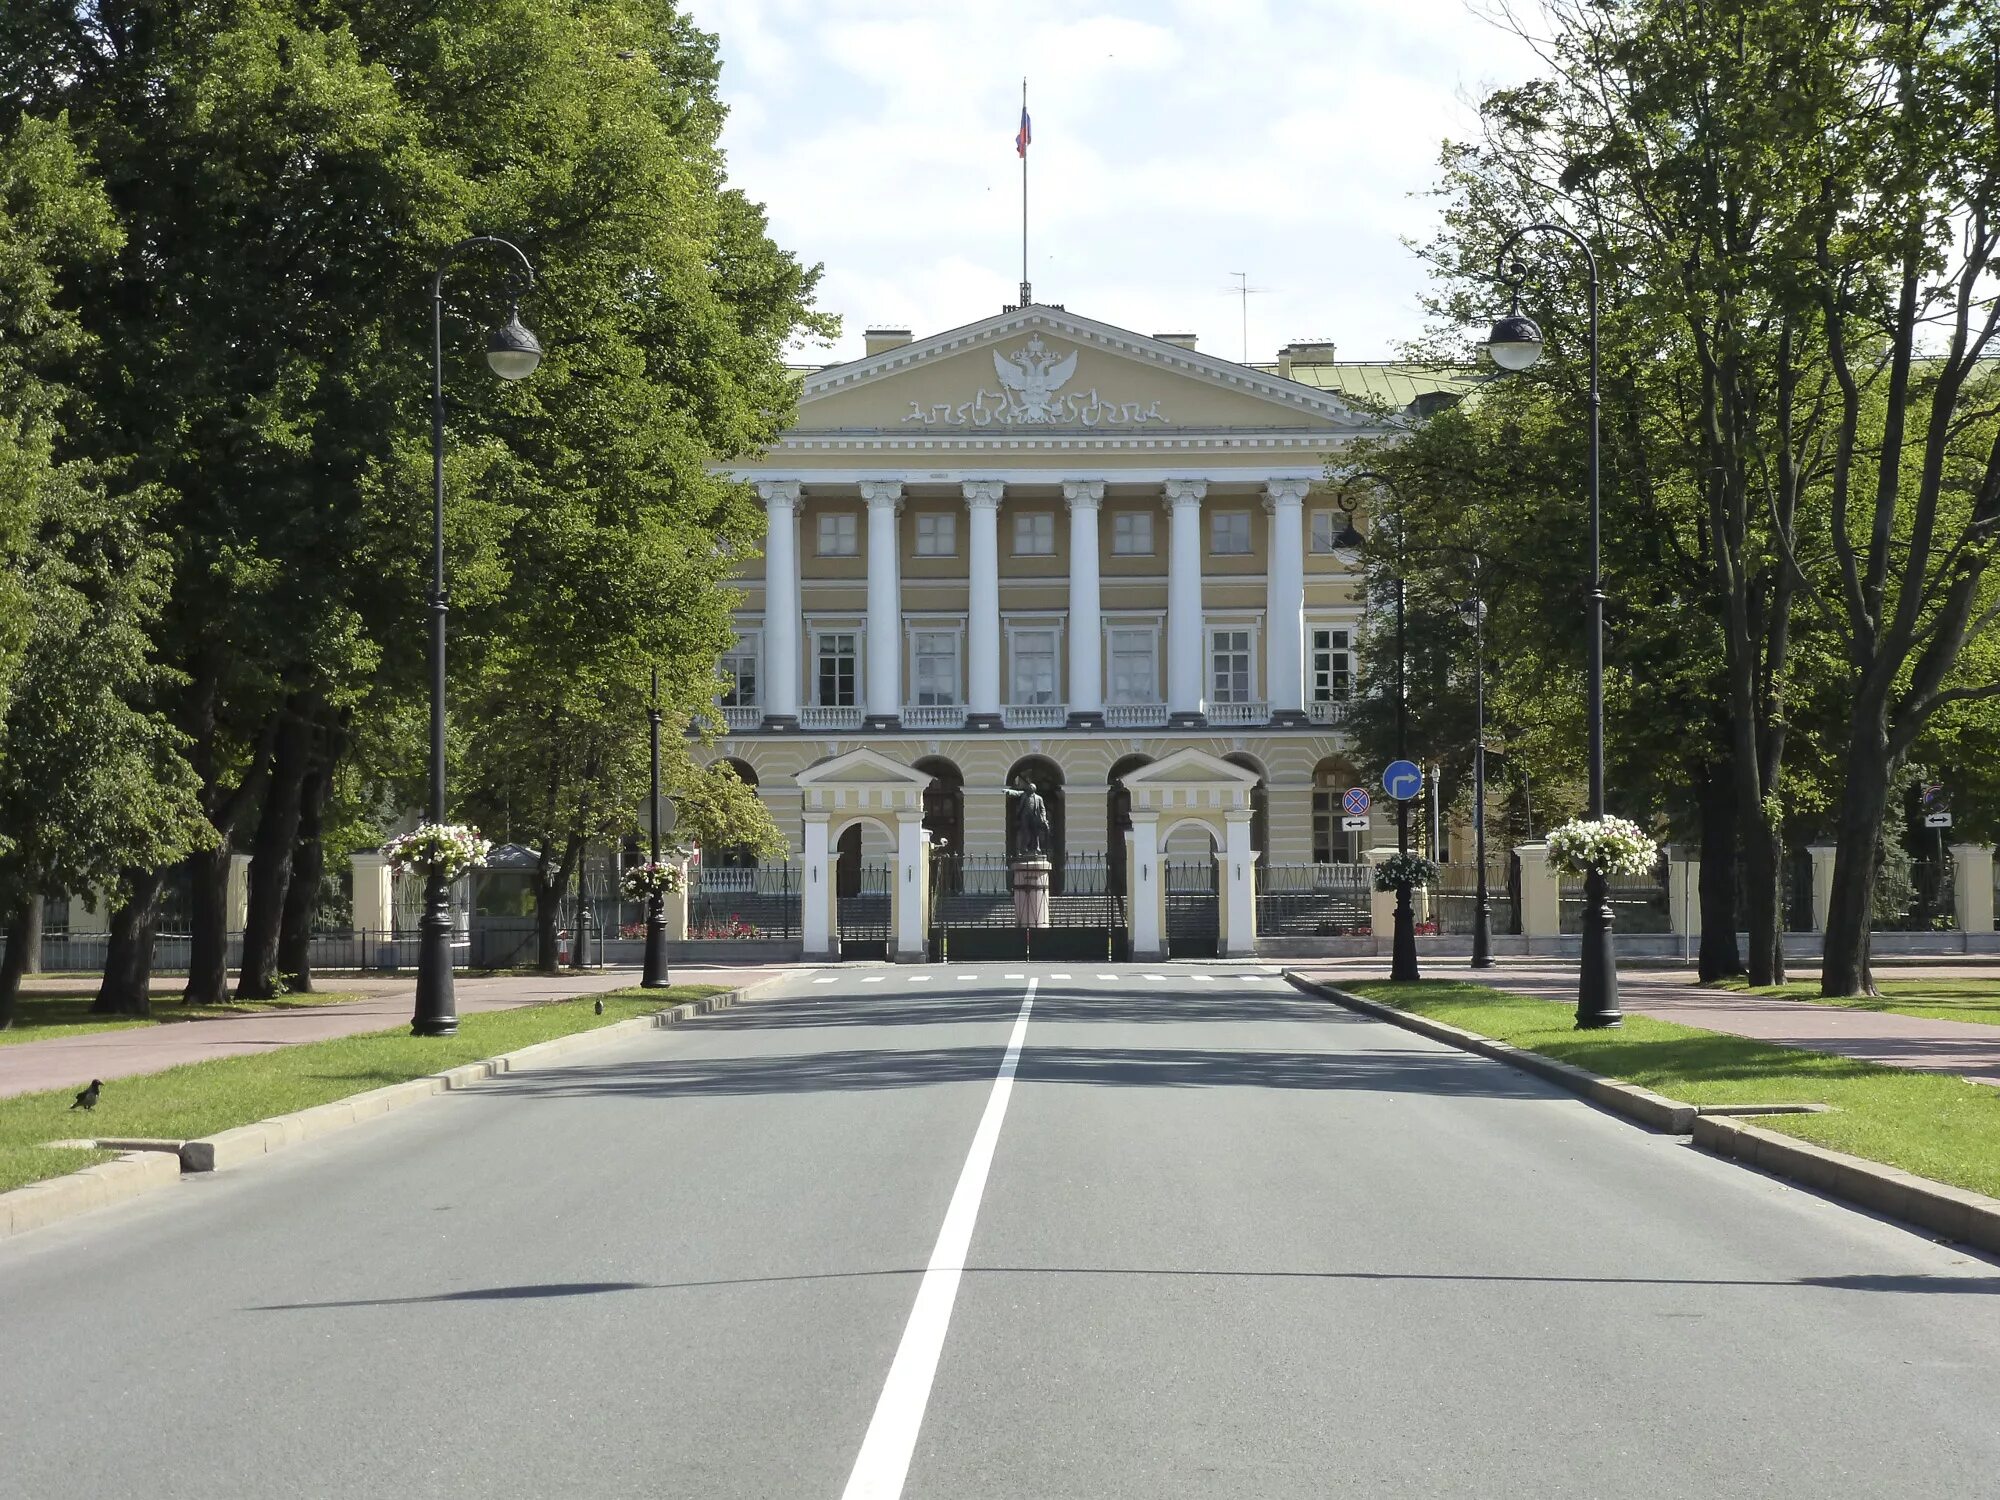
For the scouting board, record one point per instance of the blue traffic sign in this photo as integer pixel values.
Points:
(1355, 801)
(1403, 780)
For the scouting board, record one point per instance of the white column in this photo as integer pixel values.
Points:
(1184, 621)
(816, 903)
(1683, 893)
(781, 602)
(885, 604)
(1086, 629)
(1285, 600)
(374, 892)
(1822, 883)
(982, 650)
(237, 905)
(1541, 892)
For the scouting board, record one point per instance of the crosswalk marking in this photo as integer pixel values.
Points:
(1059, 976)
(920, 979)
(829, 979)
(1107, 976)
(872, 979)
(1156, 978)
(1203, 978)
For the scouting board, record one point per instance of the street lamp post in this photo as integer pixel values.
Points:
(1482, 907)
(1515, 344)
(655, 976)
(513, 353)
(1403, 952)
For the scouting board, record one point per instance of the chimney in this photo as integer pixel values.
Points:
(881, 340)
(1304, 352)
(1178, 340)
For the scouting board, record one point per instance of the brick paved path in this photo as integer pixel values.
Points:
(1970, 1049)
(71, 1062)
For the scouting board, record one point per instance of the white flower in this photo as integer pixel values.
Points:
(1614, 846)
(1401, 869)
(641, 881)
(447, 849)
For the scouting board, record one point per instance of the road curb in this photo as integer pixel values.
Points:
(1952, 1213)
(143, 1171)
(1642, 1106)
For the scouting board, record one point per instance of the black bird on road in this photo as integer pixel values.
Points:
(88, 1098)
(600, 1007)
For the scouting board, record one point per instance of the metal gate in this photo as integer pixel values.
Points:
(1313, 900)
(862, 912)
(744, 901)
(972, 911)
(1194, 916)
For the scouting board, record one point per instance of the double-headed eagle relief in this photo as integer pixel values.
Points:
(1031, 394)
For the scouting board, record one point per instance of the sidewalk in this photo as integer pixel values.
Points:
(71, 1062)
(1968, 1048)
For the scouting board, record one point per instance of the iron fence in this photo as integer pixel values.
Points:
(750, 901)
(1920, 901)
(1638, 902)
(1314, 900)
(1454, 899)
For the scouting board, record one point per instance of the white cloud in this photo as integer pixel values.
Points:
(1175, 142)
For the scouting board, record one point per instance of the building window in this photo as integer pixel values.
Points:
(1035, 666)
(1035, 533)
(1324, 529)
(837, 658)
(1132, 533)
(739, 671)
(1229, 533)
(937, 534)
(1328, 835)
(839, 534)
(935, 653)
(1135, 676)
(1229, 666)
(1332, 666)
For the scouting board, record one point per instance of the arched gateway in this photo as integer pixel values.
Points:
(882, 911)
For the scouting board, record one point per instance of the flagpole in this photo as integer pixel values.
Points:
(1027, 294)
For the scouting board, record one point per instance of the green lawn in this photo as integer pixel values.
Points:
(42, 1014)
(1928, 1123)
(1941, 999)
(202, 1098)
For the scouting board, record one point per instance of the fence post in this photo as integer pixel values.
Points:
(1972, 886)
(1683, 894)
(1541, 895)
(374, 902)
(1239, 886)
(1822, 884)
(1146, 874)
(1381, 904)
(677, 902)
(816, 900)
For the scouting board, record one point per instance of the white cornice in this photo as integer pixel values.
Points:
(1253, 473)
(1222, 373)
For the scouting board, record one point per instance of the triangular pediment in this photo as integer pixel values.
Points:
(862, 767)
(1045, 370)
(1189, 767)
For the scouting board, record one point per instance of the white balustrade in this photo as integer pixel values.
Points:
(1238, 713)
(1035, 715)
(742, 715)
(1329, 712)
(933, 716)
(1135, 715)
(818, 716)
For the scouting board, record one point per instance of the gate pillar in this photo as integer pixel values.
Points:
(816, 900)
(1238, 884)
(907, 904)
(1147, 887)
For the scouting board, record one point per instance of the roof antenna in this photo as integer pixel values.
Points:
(1245, 291)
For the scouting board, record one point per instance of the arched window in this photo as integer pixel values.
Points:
(1331, 845)
(1260, 803)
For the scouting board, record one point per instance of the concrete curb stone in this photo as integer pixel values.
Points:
(1953, 1213)
(142, 1171)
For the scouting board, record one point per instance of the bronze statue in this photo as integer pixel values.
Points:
(1032, 835)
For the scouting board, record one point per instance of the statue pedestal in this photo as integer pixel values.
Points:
(1031, 892)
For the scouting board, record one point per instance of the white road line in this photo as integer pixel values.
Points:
(1107, 976)
(1013, 976)
(968, 976)
(1059, 976)
(884, 1461)
(920, 979)
(873, 979)
(1202, 978)
(1252, 978)
(830, 979)
(1156, 978)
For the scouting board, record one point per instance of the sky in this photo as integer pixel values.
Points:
(1176, 142)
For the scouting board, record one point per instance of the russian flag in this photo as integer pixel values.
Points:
(1022, 138)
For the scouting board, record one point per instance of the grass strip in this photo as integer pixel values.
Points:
(1932, 1124)
(1975, 1000)
(40, 1015)
(199, 1099)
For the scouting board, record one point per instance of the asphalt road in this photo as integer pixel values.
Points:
(1191, 1234)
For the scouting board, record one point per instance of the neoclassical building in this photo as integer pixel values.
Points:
(1042, 548)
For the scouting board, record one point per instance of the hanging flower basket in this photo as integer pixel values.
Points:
(643, 882)
(1400, 869)
(1612, 846)
(447, 849)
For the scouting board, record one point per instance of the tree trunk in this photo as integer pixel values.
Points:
(1761, 869)
(302, 895)
(126, 989)
(548, 911)
(271, 860)
(1718, 958)
(24, 945)
(1850, 916)
(208, 926)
